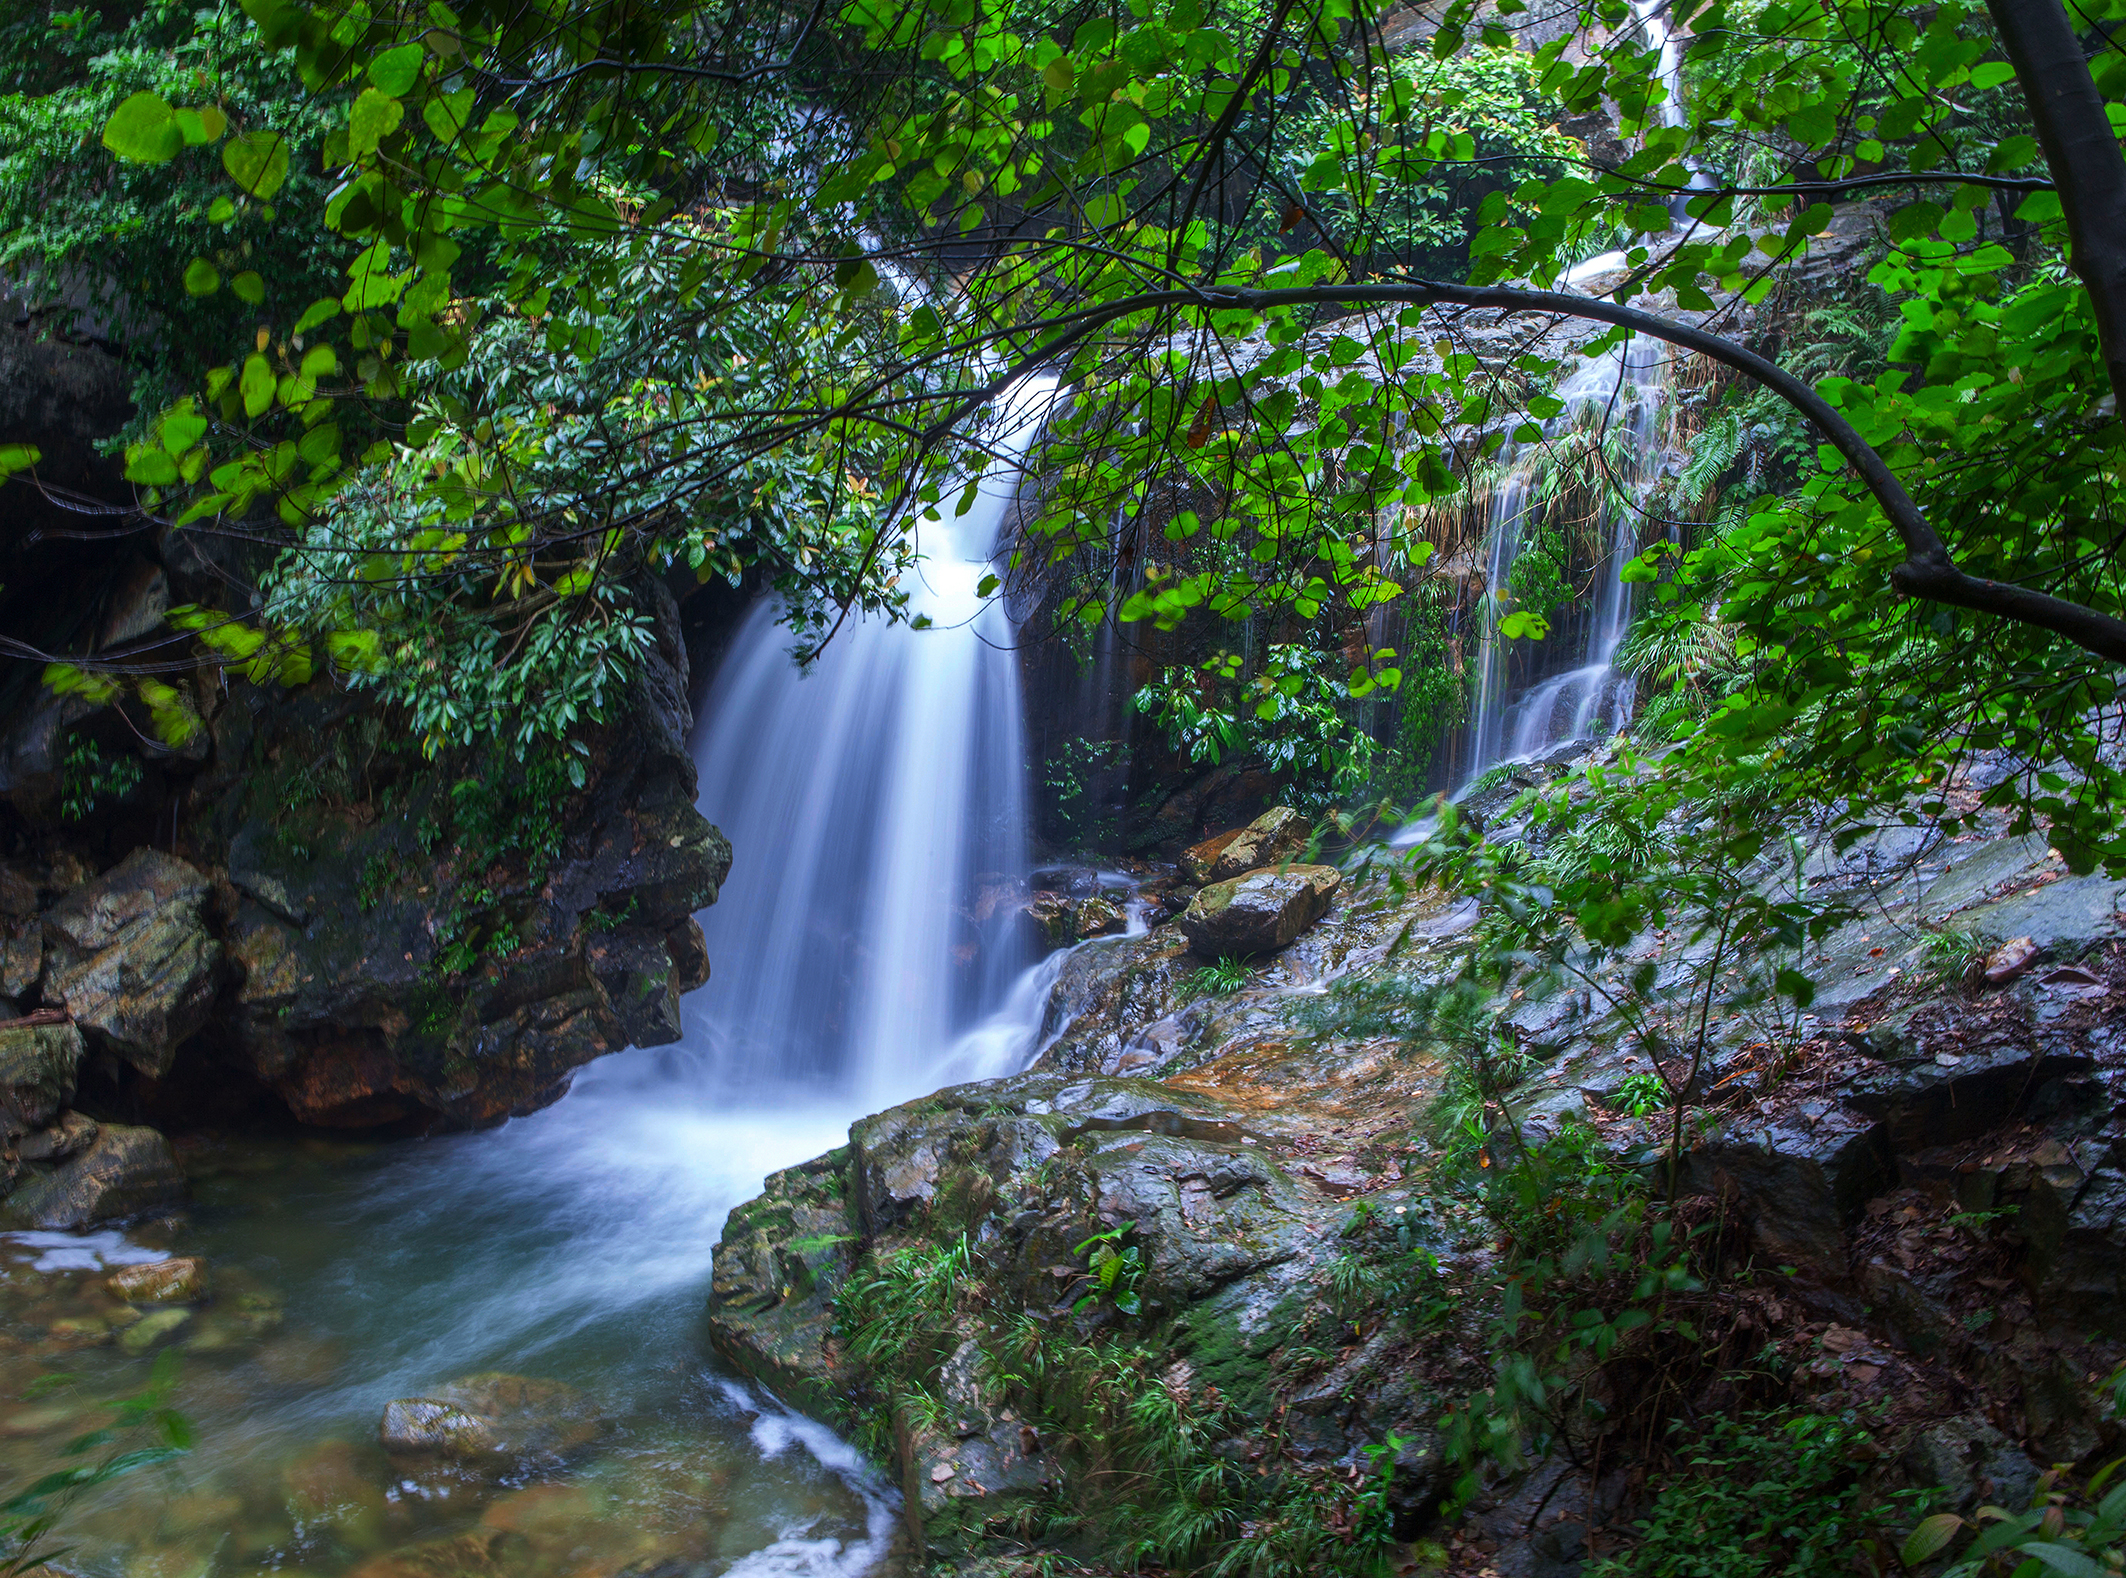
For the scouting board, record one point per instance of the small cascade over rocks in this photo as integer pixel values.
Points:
(1620, 392)
(878, 806)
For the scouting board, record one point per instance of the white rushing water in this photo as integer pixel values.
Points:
(877, 807)
(1620, 390)
(864, 954)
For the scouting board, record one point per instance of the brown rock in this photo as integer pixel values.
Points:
(1272, 839)
(1259, 912)
(1101, 918)
(2009, 960)
(492, 1414)
(181, 1280)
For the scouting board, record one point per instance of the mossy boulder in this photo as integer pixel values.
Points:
(1258, 912)
(126, 1171)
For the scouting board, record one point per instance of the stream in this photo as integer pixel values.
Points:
(862, 956)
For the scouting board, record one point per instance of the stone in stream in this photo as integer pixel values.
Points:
(492, 1414)
(127, 1171)
(1259, 912)
(1098, 917)
(180, 1280)
(151, 1330)
(328, 1487)
(1272, 839)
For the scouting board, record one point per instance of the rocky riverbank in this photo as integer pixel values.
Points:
(1234, 1249)
(327, 927)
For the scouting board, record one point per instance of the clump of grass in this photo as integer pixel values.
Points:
(1222, 979)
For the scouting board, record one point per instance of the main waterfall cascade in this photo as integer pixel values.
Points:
(877, 807)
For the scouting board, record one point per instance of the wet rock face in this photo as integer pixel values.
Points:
(391, 977)
(130, 959)
(1231, 1225)
(1259, 912)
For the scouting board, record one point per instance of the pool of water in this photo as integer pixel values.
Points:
(571, 1247)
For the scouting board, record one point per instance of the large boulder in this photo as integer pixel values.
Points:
(1274, 838)
(1259, 912)
(400, 967)
(130, 958)
(126, 1171)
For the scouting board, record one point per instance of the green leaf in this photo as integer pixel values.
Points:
(321, 311)
(220, 211)
(249, 287)
(150, 464)
(1927, 1541)
(1523, 625)
(396, 70)
(257, 386)
(144, 130)
(18, 457)
(2066, 1560)
(201, 278)
(181, 430)
(373, 118)
(257, 161)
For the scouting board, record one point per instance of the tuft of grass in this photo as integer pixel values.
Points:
(1222, 979)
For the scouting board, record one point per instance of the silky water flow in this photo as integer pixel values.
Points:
(862, 954)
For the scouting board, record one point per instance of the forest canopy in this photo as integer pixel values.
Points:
(473, 313)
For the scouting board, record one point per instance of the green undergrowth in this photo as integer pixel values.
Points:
(1767, 1495)
(1161, 1469)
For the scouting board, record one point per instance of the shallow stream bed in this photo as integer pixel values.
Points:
(570, 1247)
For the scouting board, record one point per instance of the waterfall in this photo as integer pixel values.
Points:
(1624, 385)
(876, 805)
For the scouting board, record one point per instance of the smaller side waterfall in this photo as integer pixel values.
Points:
(1621, 386)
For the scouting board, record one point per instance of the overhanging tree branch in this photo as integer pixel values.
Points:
(1930, 571)
(2083, 151)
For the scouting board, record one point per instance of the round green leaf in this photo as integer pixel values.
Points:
(146, 463)
(373, 118)
(144, 130)
(249, 287)
(181, 430)
(220, 211)
(258, 385)
(396, 70)
(257, 161)
(201, 278)
(18, 457)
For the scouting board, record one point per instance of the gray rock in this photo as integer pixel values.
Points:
(127, 1171)
(493, 1414)
(1258, 913)
(130, 957)
(38, 1063)
(1800, 1186)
